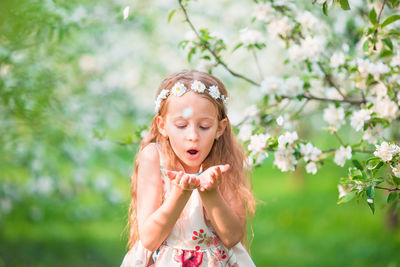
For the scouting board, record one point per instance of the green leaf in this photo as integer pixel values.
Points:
(388, 42)
(372, 207)
(237, 46)
(365, 46)
(372, 163)
(171, 14)
(396, 180)
(372, 16)
(346, 198)
(355, 173)
(385, 53)
(357, 164)
(370, 190)
(325, 8)
(344, 4)
(392, 197)
(389, 20)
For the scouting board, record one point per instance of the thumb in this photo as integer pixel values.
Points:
(224, 168)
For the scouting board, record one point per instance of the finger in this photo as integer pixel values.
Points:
(178, 177)
(170, 174)
(185, 181)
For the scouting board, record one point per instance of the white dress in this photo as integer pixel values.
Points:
(192, 242)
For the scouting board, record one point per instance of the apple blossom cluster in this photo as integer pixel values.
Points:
(357, 84)
(285, 159)
(311, 156)
(274, 85)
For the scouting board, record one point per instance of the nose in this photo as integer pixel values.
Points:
(193, 134)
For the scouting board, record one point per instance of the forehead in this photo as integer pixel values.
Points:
(202, 107)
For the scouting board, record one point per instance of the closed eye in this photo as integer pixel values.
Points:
(180, 126)
(204, 128)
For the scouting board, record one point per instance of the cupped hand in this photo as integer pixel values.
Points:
(210, 178)
(182, 180)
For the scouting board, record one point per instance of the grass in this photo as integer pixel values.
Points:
(298, 224)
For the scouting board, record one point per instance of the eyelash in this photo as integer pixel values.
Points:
(201, 127)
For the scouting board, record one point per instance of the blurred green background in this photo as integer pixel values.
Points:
(77, 84)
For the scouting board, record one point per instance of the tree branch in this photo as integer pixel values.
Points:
(217, 58)
(219, 61)
(388, 189)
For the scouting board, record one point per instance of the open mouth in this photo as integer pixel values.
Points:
(193, 151)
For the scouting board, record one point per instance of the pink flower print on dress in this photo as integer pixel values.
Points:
(201, 237)
(189, 258)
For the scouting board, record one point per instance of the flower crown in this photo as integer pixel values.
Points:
(179, 89)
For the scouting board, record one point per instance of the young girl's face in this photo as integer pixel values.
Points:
(191, 137)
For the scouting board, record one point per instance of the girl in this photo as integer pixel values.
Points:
(190, 193)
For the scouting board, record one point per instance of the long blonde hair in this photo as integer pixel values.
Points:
(225, 150)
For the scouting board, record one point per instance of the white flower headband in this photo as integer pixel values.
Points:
(179, 89)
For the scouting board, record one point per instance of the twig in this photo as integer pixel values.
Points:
(257, 63)
(379, 17)
(388, 189)
(340, 140)
(300, 109)
(328, 78)
(220, 62)
(217, 58)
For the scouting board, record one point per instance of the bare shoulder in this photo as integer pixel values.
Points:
(149, 154)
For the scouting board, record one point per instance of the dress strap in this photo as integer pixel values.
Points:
(158, 146)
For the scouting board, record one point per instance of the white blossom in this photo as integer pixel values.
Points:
(287, 139)
(258, 142)
(293, 86)
(126, 12)
(342, 154)
(395, 62)
(358, 118)
(245, 132)
(332, 93)
(313, 46)
(386, 108)
(284, 159)
(371, 135)
(334, 116)
(251, 111)
(380, 90)
(396, 170)
(337, 59)
(296, 53)
(272, 85)
(309, 152)
(344, 191)
(251, 37)
(263, 11)
(285, 122)
(386, 151)
(280, 27)
(307, 20)
(311, 167)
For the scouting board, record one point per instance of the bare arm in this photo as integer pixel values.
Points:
(156, 218)
(227, 215)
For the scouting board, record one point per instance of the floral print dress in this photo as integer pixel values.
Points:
(192, 242)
